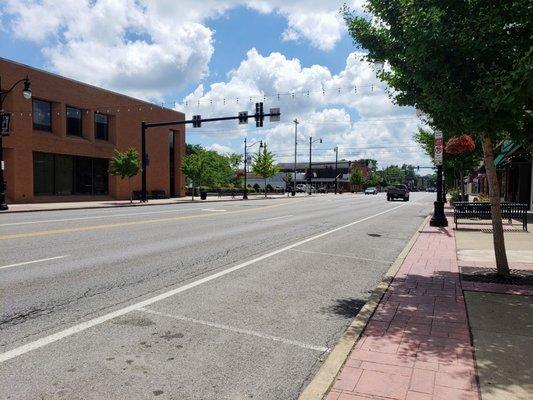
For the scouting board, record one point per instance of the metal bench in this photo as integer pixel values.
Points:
(510, 211)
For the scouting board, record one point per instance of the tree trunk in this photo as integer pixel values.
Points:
(192, 197)
(494, 194)
(265, 187)
(131, 193)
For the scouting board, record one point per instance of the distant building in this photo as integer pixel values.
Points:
(324, 173)
(62, 139)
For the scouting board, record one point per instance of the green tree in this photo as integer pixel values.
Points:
(393, 175)
(356, 179)
(207, 168)
(192, 148)
(235, 161)
(287, 178)
(126, 165)
(465, 63)
(263, 164)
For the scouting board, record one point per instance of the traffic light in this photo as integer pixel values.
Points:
(259, 115)
(418, 167)
(243, 117)
(196, 121)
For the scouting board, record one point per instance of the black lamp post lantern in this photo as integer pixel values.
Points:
(246, 146)
(4, 126)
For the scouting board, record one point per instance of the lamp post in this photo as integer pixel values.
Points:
(26, 92)
(336, 169)
(245, 195)
(311, 141)
(295, 155)
(439, 218)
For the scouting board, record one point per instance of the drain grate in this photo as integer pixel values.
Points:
(490, 275)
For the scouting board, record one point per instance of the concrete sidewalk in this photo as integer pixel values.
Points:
(80, 205)
(417, 346)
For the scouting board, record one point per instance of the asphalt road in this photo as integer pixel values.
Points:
(234, 300)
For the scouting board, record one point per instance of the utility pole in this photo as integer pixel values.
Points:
(196, 122)
(295, 154)
(245, 195)
(336, 169)
(309, 172)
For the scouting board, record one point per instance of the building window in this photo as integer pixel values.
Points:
(63, 175)
(42, 115)
(101, 126)
(74, 122)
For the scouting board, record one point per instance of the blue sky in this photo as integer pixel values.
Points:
(216, 51)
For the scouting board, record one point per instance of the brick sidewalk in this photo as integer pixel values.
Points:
(416, 346)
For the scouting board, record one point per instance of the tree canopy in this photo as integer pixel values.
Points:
(465, 63)
(207, 168)
(263, 164)
(126, 165)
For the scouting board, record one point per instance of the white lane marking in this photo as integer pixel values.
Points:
(238, 330)
(274, 218)
(343, 256)
(33, 262)
(18, 351)
(213, 209)
(97, 217)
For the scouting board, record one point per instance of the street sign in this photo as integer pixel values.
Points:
(438, 148)
(274, 118)
(4, 124)
(248, 159)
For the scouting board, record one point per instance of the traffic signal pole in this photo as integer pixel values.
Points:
(196, 122)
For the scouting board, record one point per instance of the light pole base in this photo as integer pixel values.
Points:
(439, 218)
(3, 207)
(293, 193)
(245, 196)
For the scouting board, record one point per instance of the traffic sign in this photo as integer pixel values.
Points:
(4, 124)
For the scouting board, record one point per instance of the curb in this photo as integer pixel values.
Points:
(127, 205)
(325, 377)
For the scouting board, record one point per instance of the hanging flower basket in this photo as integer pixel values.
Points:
(460, 145)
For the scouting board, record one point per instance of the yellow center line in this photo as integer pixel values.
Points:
(132, 223)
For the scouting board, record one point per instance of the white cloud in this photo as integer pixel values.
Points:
(148, 48)
(364, 124)
(221, 149)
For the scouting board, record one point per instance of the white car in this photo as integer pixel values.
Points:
(371, 190)
(301, 188)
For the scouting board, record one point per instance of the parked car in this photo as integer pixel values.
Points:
(301, 188)
(371, 190)
(398, 192)
(431, 189)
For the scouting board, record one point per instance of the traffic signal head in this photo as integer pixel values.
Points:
(196, 121)
(259, 115)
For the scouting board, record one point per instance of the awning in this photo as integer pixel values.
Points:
(508, 147)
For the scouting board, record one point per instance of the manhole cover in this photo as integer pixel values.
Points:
(374, 234)
(489, 275)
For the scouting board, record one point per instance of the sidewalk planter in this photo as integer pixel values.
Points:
(203, 195)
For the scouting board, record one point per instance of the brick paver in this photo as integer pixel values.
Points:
(416, 345)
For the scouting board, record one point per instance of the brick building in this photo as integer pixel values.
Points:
(61, 140)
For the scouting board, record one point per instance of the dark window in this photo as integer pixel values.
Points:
(62, 175)
(74, 121)
(101, 126)
(43, 173)
(42, 115)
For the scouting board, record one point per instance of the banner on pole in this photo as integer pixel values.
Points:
(439, 147)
